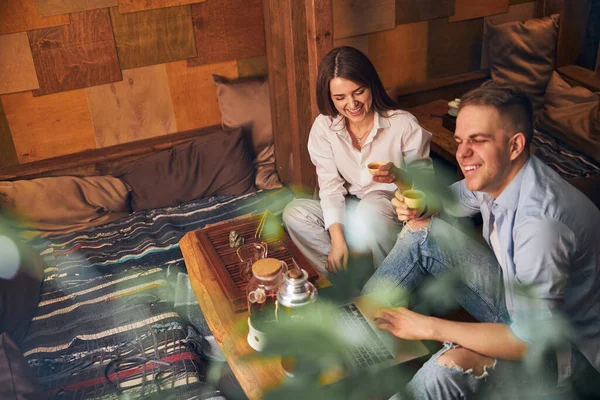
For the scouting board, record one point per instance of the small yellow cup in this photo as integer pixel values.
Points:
(414, 199)
(374, 166)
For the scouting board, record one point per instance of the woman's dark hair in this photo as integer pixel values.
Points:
(349, 63)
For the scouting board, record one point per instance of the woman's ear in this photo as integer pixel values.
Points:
(517, 145)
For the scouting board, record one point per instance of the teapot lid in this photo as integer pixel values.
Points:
(266, 268)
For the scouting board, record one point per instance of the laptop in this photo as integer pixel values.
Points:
(373, 346)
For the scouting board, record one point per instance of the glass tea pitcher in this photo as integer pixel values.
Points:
(248, 254)
(267, 277)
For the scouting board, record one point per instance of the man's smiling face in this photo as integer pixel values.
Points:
(483, 149)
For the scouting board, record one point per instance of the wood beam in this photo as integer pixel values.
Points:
(573, 27)
(298, 35)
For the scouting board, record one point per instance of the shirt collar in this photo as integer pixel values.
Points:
(380, 122)
(510, 195)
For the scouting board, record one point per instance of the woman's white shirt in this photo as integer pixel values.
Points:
(342, 169)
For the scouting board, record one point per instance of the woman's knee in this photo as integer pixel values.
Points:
(299, 212)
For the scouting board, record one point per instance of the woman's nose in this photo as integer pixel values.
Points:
(351, 102)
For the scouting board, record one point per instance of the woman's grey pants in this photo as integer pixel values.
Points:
(370, 224)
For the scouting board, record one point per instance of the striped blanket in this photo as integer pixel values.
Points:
(106, 326)
(562, 158)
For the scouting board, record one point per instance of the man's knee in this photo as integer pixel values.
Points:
(298, 214)
(467, 361)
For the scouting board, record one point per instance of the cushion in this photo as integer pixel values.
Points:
(20, 281)
(65, 204)
(572, 114)
(217, 163)
(16, 378)
(523, 54)
(246, 103)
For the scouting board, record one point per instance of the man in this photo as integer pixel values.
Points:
(542, 234)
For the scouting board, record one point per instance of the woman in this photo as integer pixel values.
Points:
(359, 124)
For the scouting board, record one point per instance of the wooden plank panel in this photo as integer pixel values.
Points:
(16, 64)
(153, 37)
(359, 42)
(573, 30)
(453, 47)
(358, 17)
(127, 6)
(252, 67)
(514, 2)
(136, 108)
(8, 153)
(520, 12)
(75, 56)
(469, 9)
(22, 15)
(194, 94)
(49, 126)
(408, 11)
(57, 7)
(228, 30)
(545, 8)
(400, 55)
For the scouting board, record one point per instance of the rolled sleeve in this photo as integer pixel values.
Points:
(542, 258)
(331, 185)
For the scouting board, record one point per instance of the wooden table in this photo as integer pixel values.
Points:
(228, 327)
(430, 117)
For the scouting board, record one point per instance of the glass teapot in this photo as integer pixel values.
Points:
(267, 277)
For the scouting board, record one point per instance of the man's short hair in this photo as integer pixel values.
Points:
(513, 105)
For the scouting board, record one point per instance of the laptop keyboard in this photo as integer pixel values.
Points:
(371, 349)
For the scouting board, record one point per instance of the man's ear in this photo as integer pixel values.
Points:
(517, 145)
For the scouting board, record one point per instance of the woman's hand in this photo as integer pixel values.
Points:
(388, 173)
(338, 257)
(405, 324)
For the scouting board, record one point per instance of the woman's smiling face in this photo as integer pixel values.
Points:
(352, 100)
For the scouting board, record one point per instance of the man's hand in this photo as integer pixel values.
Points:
(338, 257)
(404, 213)
(405, 324)
(388, 173)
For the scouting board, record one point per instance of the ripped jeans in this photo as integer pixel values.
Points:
(433, 252)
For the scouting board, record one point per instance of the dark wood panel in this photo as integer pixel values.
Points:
(127, 6)
(359, 17)
(16, 64)
(252, 67)
(548, 7)
(103, 161)
(75, 56)
(582, 76)
(154, 36)
(8, 153)
(514, 2)
(453, 47)
(22, 15)
(469, 9)
(408, 11)
(442, 88)
(57, 7)
(572, 31)
(227, 30)
(289, 60)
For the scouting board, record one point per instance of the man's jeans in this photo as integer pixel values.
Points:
(433, 252)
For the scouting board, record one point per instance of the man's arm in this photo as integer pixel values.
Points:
(490, 339)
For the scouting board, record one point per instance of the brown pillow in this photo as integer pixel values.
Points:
(16, 378)
(246, 103)
(20, 283)
(523, 54)
(65, 204)
(218, 163)
(589, 186)
(572, 114)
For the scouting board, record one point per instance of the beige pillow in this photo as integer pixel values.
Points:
(523, 54)
(246, 103)
(572, 114)
(56, 205)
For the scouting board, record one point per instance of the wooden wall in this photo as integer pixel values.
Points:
(77, 75)
(414, 41)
